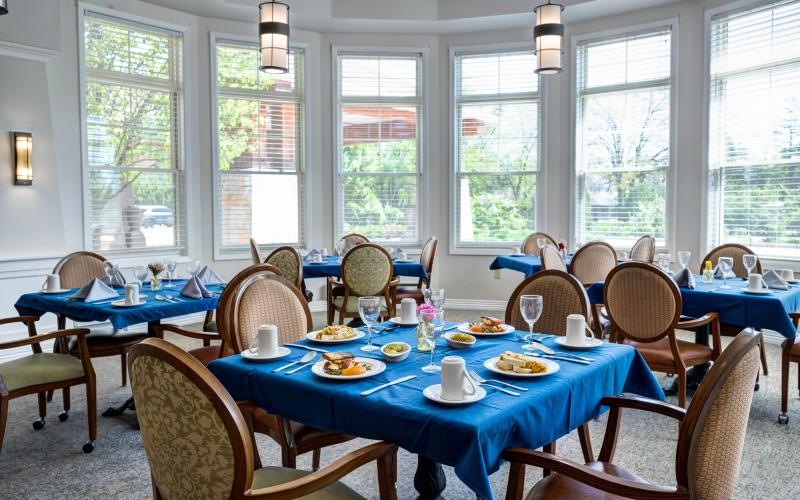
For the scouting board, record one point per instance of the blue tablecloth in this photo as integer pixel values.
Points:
(333, 267)
(36, 304)
(469, 438)
(526, 264)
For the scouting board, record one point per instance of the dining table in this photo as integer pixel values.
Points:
(526, 264)
(332, 266)
(468, 437)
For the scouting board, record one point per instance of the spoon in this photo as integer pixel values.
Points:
(305, 359)
(161, 297)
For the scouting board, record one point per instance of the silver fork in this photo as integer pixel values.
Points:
(478, 381)
(477, 378)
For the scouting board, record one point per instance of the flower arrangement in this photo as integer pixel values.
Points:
(155, 268)
(426, 314)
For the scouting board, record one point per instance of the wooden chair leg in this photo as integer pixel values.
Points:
(586, 443)
(682, 388)
(785, 367)
(289, 457)
(516, 482)
(66, 401)
(548, 448)
(387, 476)
(42, 405)
(124, 368)
(91, 409)
(3, 418)
(315, 456)
(764, 367)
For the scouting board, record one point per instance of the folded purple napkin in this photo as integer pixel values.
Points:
(117, 279)
(207, 276)
(93, 291)
(718, 273)
(195, 289)
(684, 278)
(774, 281)
(312, 255)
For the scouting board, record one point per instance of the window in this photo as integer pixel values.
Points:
(754, 130)
(497, 117)
(133, 134)
(622, 137)
(260, 160)
(379, 108)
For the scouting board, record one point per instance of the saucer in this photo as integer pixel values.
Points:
(55, 292)
(121, 303)
(517, 255)
(434, 393)
(757, 292)
(318, 263)
(403, 261)
(587, 344)
(397, 321)
(282, 351)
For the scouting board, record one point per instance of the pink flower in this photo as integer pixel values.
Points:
(156, 268)
(427, 312)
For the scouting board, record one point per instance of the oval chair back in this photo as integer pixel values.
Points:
(288, 260)
(734, 251)
(562, 295)
(551, 259)
(255, 254)
(76, 269)
(593, 261)
(428, 255)
(367, 270)
(530, 245)
(352, 240)
(644, 250)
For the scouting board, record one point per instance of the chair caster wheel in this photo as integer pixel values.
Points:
(38, 424)
(756, 387)
(783, 418)
(63, 416)
(88, 447)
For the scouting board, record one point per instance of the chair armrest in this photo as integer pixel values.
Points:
(395, 281)
(698, 322)
(43, 337)
(160, 329)
(18, 319)
(644, 404)
(589, 476)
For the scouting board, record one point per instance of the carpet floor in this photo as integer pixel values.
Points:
(50, 464)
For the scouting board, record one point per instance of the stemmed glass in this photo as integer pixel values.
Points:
(725, 265)
(141, 273)
(531, 307)
(437, 298)
(369, 308)
(684, 256)
(171, 265)
(108, 269)
(664, 262)
(541, 243)
(192, 267)
(430, 339)
(622, 255)
(339, 247)
(749, 260)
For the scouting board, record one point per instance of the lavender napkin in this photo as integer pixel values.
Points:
(312, 255)
(93, 291)
(718, 273)
(774, 281)
(207, 276)
(684, 278)
(195, 289)
(117, 279)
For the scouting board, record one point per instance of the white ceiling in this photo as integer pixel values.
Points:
(408, 16)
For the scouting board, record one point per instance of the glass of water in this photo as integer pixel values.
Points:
(171, 265)
(530, 306)
(684, 256)
(664, 262)
(437, 298)
(430, 337)
(725, 265)
(749, 260)
(141, 273)
(369, 309)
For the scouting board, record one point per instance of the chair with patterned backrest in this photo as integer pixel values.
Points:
(255, 254)
(426, 259)
(530, 245)
(591, 263)
(562, 295)
(40, 372)
(288, 260)
(352, 240)
(551, 259)
(179, 401)
(644, 306)
(710, 441)
(644, 250)
(367, 270)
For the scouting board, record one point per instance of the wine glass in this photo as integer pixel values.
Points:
(108, 269)
(339, 247)
(664, 262)
(437, 298)
(684, 256)
(725, 265)
(192, 267)
(369, 308)
(541, 243)
(622, 255)
(749, 260)
(430, 337)
(141, 273)
(171, 265)
(531, 308)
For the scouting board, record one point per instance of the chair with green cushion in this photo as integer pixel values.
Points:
(40, 372)
(367, 270)
(199, 444)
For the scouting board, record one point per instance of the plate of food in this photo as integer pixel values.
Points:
(519, 365)
(487, 326)
(344, 365)
(335, 334)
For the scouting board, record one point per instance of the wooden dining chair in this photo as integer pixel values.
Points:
(644, 250)
(179, 401)
(351, 240)
(644, 306)
(40, 372)
(255, 254)
(426, 260)
(790, 353)
(530, 245)
(591, 263)
(562, 295)
(288, 260)
(367, 270)
(551, 259)
(710, 441)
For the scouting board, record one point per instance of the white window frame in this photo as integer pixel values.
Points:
(422, 144)
(187, 118)
(491, 249)
(671, 208)
(305, 157)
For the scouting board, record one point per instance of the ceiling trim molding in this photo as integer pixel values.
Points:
(29, 52)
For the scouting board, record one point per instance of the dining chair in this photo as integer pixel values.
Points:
(551, 259)
(426, 259)
(530, 245)
(179, 401)
(790, 353)
(591, 263)
(562, 295)
(255, 254)
(40, 372)
(644, 306)
(288, 260)
(367, 270)
(262, 297)
(644, 250)
(351, 240)
(709, 447)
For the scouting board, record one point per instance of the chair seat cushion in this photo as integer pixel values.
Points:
(107, 339)
(410, 291)
(659, 352)
(40, 368)
(206, 354)
(352, 304)
(272, 476)
(306, 437)
(558, 486)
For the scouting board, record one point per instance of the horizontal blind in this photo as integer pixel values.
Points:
(260, 129)
(497, 117)
(379, 116)
(754, 129)
(133, 94)
(623, 137)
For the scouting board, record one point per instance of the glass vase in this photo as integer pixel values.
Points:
(424, 328)
(155, 284)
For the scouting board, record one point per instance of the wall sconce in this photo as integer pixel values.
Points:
(548, 35)
(273, 32)
(23, 158)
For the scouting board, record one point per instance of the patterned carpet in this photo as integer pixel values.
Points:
(49, 463)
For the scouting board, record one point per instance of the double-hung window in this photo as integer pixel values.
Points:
(133, 95)
(754, 129)
(623, 137)
(378, 116)
(259, 185)
(497, 115)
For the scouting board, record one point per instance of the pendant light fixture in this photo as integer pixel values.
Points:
(548, 37)
(3, 7)
(273, 33)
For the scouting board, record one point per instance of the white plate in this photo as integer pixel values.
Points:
(282, 351)
(588, 344)
(464, 328)
(552, 367)
(318, 263)
(434, 393)
(405, 261)
(517, 255)
(396, 321)
(357, 334)
(793, 282)
(377, 367)
(54, 292)
(759, 292)
(121, 303)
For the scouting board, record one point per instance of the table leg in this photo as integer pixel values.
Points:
(429, 480)
(129, 404)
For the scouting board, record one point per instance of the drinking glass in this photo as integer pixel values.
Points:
(530, 306)
(725, 265)
(664, 262)
(108, 269)
(437, 298)
(141, 273)
(192, 267)
(339, 247)
(541, 243)
(430, 339)
(684, 257)
(622, 255)
(369, 308)
(171, 265)
(749, 260)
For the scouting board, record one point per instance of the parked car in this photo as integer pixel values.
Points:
(157, 215)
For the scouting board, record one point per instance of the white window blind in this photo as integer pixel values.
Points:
(133, 94)
(379, 105)
(622, 142)
(754, 129)
(497, 122)
(260, 164)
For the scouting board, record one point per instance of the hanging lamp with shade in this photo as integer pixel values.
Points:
(3, 7)
(548, 38)
(273, 34)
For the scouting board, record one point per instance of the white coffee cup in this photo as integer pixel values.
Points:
(408, 311)
(267, 340)
(455, 380)
(53, 283)
(131, 294)
(577, 330)
(755, 283)
(401, 256)
(516, 251)
(787, 274)
(324, 252)
(319, 258)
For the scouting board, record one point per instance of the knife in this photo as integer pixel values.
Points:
(564, 358)
(543, 348)
(387, 384)
(301, 346)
